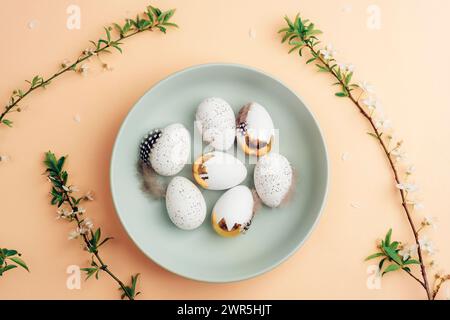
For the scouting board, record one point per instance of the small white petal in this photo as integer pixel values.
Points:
(345, 155)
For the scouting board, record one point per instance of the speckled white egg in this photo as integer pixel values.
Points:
(166, 150)
(233, 212)
(185, 204)
(218, 171)
(216, 122)
(273, 179)
(255, 129)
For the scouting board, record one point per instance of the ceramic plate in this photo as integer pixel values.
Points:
(275, 234)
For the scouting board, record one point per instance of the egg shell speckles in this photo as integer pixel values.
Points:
(171, 151)
(273, 179)
(216, 122)
(185, 204)
(235, 207)
(219, 171)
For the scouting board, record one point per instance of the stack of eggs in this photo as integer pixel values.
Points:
(167, 151)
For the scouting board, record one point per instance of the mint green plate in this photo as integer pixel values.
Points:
(275, 234)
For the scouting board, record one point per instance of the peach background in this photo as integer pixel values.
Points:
(406, 60)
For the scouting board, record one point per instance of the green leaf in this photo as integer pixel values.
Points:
(387, 239)
(118, 28)
(373, 135)
(51, 162)
(380, 264)
(116, 46)
(289, 22)
(104, 241)
(9, 253)
(6, 268)
(348, 78)
(393, 255)
(108, 34)
(7, 122)
(321, 68)
(375, 255)
(155, 11)
(170, 24)
(411, 261)
(283, 30)
(394, 245)
(390, 268)
(60, 163)
(126, 27)
(294, 48)
(97, 235)
(341, 94)
(161, 28)
(20, 262)
(311, 60)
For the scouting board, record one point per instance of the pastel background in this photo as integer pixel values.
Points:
(406, 59)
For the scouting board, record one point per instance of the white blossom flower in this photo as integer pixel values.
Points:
(371, 103)
(73, 188)
(80, 210)
(107, 67)
(74, 234)
(65, 63)
(430, 221)
(328, 53)
(398, 155)
(418, 206)
(410, 170)
(366, 87)
(88, 224)
(89, 196)
(427, 245)
(408, 187)
(66, 188)
(83, 69)
(346, 67)
(4, 158)
(408, 251)
(383, 123)
(89, 52)
(63, 213)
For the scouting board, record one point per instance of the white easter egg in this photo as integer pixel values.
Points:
(216, 122)
(185, 204)
(218, 171)
(166, 150)
(273, 179)
(255, 129)
(233, 212)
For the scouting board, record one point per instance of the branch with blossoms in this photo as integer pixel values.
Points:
(152, 19)
(70, 210)
(301, 35)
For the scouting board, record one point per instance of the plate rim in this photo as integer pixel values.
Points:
(296, 247)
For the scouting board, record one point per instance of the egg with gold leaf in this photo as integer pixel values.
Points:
(233, 212)
(254, 129)
(218, 171)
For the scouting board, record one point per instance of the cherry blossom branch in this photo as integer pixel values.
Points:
(69, 209)
(152, 19)
(301, 35)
